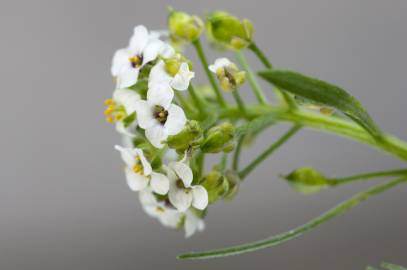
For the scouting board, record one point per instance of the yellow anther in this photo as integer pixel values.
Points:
(108, 111)
(119, 116)
(109, 119)
(109, 101)
(138, 168)
(135, 61)
(160, 209)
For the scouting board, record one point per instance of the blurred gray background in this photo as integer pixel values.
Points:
(64, 203)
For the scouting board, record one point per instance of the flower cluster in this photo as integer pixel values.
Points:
(166, 132)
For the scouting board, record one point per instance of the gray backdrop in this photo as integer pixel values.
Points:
(64, 201)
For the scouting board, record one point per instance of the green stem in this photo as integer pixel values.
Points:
(388, 143)
(236, 156)
(256, 50)
(284, 237)
(196, 98)
(224, 162)
(185, 104)
(365, 176)
(204, 61)
(252, 79)
(238, 100)
(243, 173)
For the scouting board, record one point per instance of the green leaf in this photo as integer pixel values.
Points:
(390, 266)
(129, 119)
(323, 93)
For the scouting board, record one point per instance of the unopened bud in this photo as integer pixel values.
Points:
(228, 31)
(219, 138)
(307, 180)
(184, 28)
(173, 64)
(189, 137)
(228, 74)
(216, 185)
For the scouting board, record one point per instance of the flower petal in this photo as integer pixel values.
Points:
(139, 39)
(146, 165)
(158, 75)
(180, 198)
(170, 218)
(145, 116)
(159, 183)
(160, 94)
(127, 77)
(192, 224)
(128, 98)
(146, 197)
(127, 132)
(120, 60)
(126, 154)
(151, 50)
(135, 181)
(182, 78)
(156, 134)
(220, 62)
(167, 50)
(176, 120)
(183, 171)
(200, 197)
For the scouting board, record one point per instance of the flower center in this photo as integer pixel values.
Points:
(181, 185)
(136, 61)
(138, 167)
(160, 209)
(160, 114)
(114, 112)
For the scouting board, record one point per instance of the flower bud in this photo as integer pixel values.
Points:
(230, 77)
(190, 136)
(173, 64)
(307, 180)
(228, 31)
(184, 28)
(216, 185)
(219, 138)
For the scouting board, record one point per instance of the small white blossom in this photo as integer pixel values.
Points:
(192, 224)
(127, 62)
(168, 216)
(181, 80)
(139, 173)
(182, 194)
(158, 116)
(119, 107)
(219, 63)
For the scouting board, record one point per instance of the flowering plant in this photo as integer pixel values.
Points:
(169, 126)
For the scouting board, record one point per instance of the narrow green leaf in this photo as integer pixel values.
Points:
(390, 266)
(255, 125)
(322, 93)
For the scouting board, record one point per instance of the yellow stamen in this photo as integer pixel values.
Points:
(138, 168)
(109, 119)
(109, 101)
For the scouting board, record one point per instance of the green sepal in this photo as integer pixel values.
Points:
(307, 180)
(129, 119)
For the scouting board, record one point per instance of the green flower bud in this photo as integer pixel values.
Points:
(190, 136)
(219, 138)
(173, 64)
(228, 31)
(230, 77)
(184, 28)
(307, 180)
(216, 185)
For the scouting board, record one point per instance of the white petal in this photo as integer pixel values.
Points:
(200, 197)
(139, 39)
(176, 120)
(126, 154)
(127, 77)
(127, 132)
(170, 155)
(183, 171)
(120, 60)
(167, 51)
(158, 75)
(180, 198)
(170, 218)
(182, 78)
(146, 165)
(145, 117)
(159, 183)
(147, 197)
(151, 51)
(156, 134)
(128, 98)
(136, 181)
(160, 94)
(220, 62)
(192, 224)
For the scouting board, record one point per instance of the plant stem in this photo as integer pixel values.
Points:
(256, 50)
(185, 104)
(284, 237)
(238, 100)
(224, 162)
(389, 144)
(252, 79)
(236, 156)
(243, 173)
(365, 176)
(204, 61)
(197, 99)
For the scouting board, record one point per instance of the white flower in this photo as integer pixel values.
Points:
(119, 107)
(127, 62)
(158, 116)
(180, 81)
(168, 216)
(182, 194)
(219, 63)
(192, 224)
(139, 173)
